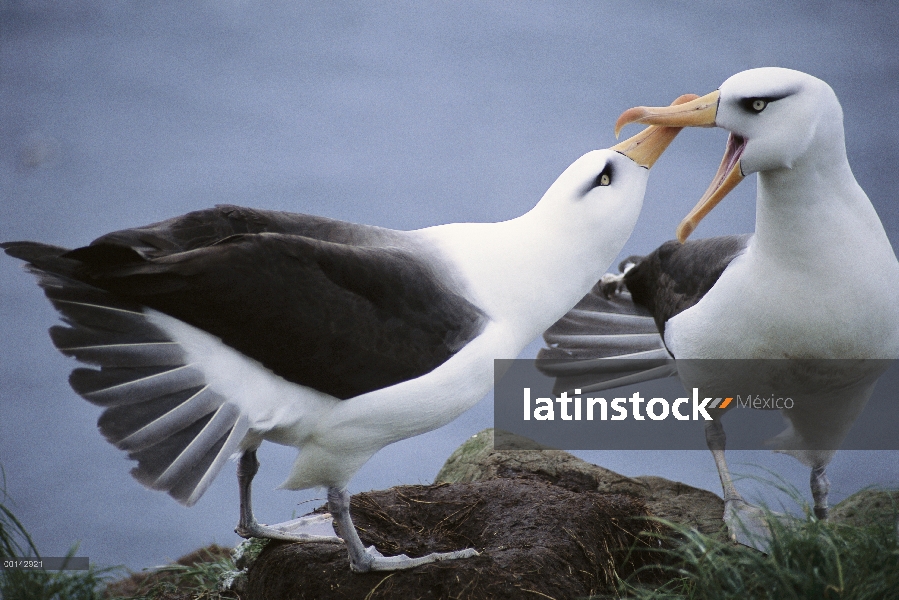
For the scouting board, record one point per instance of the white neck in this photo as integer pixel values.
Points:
(529, 271)
(816, 216)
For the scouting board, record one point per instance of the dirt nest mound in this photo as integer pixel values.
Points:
(491, 454)
(533, 537)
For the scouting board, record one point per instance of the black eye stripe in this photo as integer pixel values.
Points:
(747, 103)
(608, 172)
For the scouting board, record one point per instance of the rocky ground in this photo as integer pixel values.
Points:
(546, 524)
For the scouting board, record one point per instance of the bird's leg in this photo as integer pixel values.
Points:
(716, 439)
(298, 530)
(369, 559)
(820, 488)
(247, 467)
(746, 524)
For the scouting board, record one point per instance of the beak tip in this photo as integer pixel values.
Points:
(631, 115)
(684, 230)
(646, 147)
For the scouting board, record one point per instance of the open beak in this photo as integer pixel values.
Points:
(700, 112)
(728, 176)
(646, 147)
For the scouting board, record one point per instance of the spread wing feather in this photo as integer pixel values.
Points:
(157, 407)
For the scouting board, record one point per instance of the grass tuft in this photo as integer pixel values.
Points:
(14, 540)
(202, 575)
(18, 584)
(807, 559)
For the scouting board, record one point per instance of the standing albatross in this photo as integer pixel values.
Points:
(225, 327)
(818, 280)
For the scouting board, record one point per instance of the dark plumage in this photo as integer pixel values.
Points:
(667, 281)
(342, 309)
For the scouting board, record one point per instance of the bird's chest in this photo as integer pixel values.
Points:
(759, 311)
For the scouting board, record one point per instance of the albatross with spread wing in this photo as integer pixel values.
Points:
(211, 332)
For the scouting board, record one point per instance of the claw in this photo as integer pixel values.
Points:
(313, 528)
(364, 559)
(748, 524)
(375, 561)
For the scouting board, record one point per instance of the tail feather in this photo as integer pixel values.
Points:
(152, 462)
(603, 346)
(114, 319)
(214, 433)
(122, 354)
(618, 364)
(118, 423)
(580, 319)
(619, 303)
(194, 484)
(69, 338)
(596, 382)
(157, 405)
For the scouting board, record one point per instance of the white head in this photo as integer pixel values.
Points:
(778, 119)
(598, 197)
(601, 193)
(534, 268)
(780, 113)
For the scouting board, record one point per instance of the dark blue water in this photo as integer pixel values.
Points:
(115, 114)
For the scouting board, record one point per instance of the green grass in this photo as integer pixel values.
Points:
(200, 580)
(14, 540)
(40, 585)
(807, 559)
(53, 585)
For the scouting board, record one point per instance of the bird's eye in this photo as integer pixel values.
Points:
(604, 178)
(757, 104)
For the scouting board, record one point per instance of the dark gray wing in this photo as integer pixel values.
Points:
(607, 341)
(339, 318)
(676, 276)
(157, 406)
(206, 227)
(603, 343)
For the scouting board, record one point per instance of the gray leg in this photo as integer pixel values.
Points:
(746, 524)
(362, 559)
(247, 467)
(716, 439)
(292, 531)
(820, 488)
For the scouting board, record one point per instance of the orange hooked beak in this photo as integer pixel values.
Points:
(700, 112)
(646, 147)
